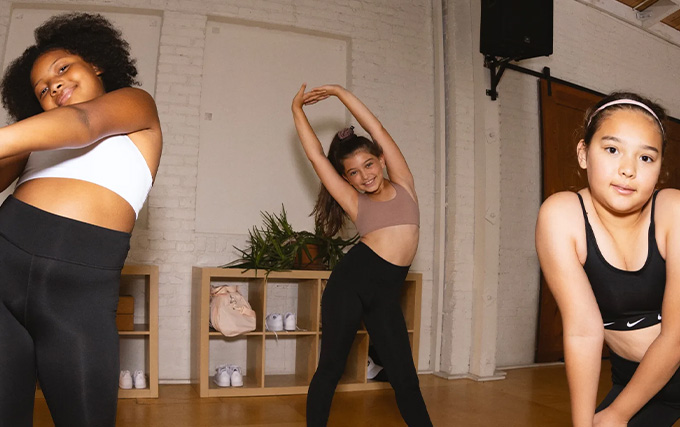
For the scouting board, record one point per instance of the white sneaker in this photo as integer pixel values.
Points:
(235, 376)
(125, 380)
(139, 379)
(274, 322)
(222, 376)
(373, 370)
(289, 322)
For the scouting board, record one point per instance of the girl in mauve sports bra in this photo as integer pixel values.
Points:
(611, 255)
(366, 283)
(85, 146)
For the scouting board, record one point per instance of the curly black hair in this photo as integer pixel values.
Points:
(90, 36)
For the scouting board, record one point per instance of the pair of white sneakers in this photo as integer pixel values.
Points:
(126, 380)
(276, 323)
(228, 376)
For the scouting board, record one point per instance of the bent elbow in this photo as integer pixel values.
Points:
(592, 329)
(83, 121)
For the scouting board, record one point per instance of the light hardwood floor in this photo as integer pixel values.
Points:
(527, 397)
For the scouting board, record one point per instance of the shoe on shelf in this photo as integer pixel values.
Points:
(222, 376)
(235, 375)
(373, 370)
(274, 322)
(139, 379)
(289, 322)
(125, 380)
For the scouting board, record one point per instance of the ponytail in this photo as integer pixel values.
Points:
(329, 217)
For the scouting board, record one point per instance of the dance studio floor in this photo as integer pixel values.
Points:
(535, 396)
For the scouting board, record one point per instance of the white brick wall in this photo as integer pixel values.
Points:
(591, 49)
(391, 61)
(391, 67)
(460, 182)
(520, 198)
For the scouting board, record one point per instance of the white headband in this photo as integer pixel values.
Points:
(627, 102)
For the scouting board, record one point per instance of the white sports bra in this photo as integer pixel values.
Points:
(114, 163)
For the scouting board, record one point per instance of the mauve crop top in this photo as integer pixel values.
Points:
(373, 215)
(627, 299)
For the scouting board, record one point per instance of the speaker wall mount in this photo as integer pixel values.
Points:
(497, 67)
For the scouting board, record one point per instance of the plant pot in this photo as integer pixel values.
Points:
(311, 262)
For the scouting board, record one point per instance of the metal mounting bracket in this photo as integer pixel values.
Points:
(496, 68)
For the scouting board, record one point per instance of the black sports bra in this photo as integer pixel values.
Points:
(627, 299)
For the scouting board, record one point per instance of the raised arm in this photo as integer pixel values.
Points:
(122, 111)
(336, 185)
(556, 245)
(397, 168)
(662, 358)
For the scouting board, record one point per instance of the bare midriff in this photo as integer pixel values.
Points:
(79, 200)
(396, 244)
(632, 345)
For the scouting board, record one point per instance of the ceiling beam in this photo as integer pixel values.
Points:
(644, 5)
(618, 10)
(656, 12)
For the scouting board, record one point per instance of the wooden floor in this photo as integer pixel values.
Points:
(527, 397)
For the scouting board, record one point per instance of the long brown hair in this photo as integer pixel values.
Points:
(329, 216)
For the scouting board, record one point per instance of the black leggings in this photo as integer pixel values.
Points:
(662, 410)
(363, 285)
(59, 281)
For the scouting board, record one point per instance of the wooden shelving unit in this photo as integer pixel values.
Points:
(147, 331)
(258, 378)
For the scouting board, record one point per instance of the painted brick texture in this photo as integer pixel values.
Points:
(391, 70)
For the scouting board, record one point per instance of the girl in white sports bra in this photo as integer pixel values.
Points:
(85, 147)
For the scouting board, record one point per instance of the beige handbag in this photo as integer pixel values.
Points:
(230, 313)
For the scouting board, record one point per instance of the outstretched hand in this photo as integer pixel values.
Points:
(299, 99)
(320, 93)
(315, 95)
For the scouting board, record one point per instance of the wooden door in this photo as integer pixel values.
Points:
(562, 113)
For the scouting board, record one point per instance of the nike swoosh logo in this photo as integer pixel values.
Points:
(610, 323)
(630, 325)
(659, 317)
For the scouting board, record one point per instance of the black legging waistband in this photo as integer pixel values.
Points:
(361, 252)
(52, 236)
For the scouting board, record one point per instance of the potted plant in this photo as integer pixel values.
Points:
(276, 247)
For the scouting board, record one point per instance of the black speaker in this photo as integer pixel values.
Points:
(516, 29)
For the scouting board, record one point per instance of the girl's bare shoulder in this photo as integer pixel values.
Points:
(560, 217)
(561, 205)
(667, 208)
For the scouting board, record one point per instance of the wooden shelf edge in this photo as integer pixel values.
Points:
(141, 329)
(143, 393)
(239, 273)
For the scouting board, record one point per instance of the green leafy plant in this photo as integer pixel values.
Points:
(277, 247)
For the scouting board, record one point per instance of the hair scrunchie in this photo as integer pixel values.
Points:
(346, 133)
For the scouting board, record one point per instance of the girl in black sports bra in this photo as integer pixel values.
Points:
(610, 254)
